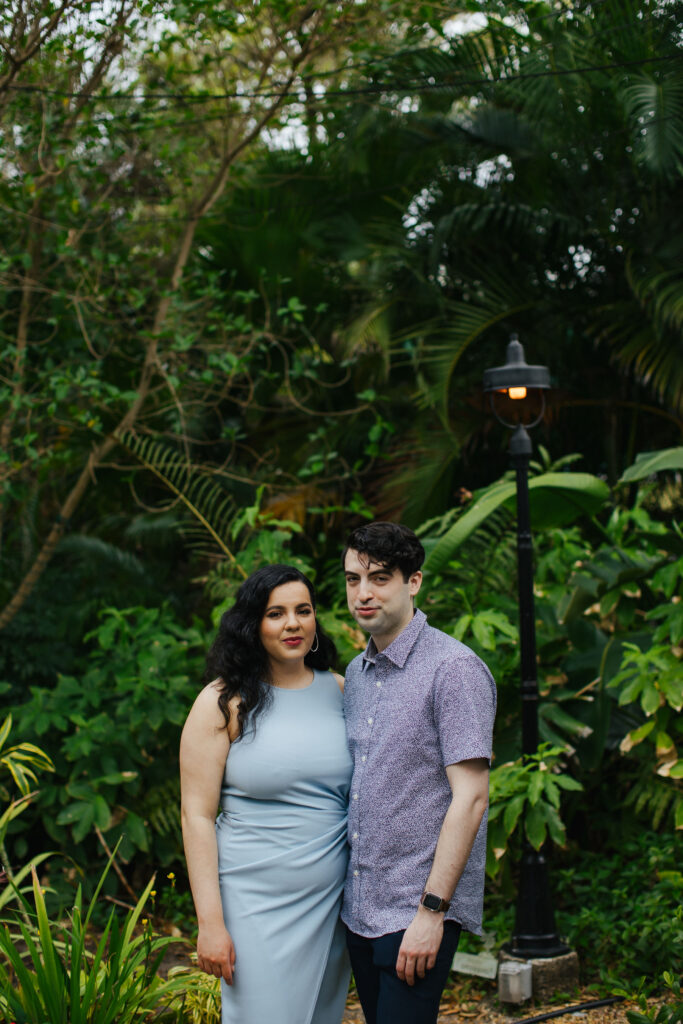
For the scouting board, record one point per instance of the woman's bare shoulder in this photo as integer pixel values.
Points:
(340, 680)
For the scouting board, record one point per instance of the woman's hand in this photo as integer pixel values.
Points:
(216, 953)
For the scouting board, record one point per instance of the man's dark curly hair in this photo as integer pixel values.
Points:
(237, 657)
(389, 544)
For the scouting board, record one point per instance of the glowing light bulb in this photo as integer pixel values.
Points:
(517, 392)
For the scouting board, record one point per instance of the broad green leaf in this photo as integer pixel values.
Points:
(535, 826)
(102, 812)
(536, 787)
(551, 789)
(651, 698)
(512, 812)
(672, 689)
(555, 499)
(555, 825)
(461, 627)
(483, 633)
(84, 824)
(648, 463)
(567, 782)
(73, 812)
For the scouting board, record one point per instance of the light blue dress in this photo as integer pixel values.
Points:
(282, 858)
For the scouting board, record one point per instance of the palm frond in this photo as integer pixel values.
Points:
(646, 335)
(659, 292)
(205, 499)
(654, 796)
(493, 299)
(655, 108)
(95, 551)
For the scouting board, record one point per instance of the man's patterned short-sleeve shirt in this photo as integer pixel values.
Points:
(425, 702)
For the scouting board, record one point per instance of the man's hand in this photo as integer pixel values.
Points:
(420, 945)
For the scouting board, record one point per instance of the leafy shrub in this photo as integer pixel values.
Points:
(621, 912)
(201, 1001)
(113, 734)
(525, 799)
(670, 1013)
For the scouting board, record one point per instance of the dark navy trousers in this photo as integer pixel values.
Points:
(384, 997)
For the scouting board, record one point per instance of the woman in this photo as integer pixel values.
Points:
(265, 739)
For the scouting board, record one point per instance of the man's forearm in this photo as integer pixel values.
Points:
(422, 939)
(456, 838)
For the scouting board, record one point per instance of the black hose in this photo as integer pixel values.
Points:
(592, 1005)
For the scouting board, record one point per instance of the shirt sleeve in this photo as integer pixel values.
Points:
(464, 709)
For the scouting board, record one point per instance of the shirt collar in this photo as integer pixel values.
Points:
(400, 647)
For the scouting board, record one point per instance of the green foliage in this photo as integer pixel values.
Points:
(524, 801)
(608, 630)
(201, 1003)
(648, 463)
(51, 973)
(207, 502)
(21, 762)
(113, 733)
(671, 1012)
(620, 908)
(555, 499)
(653, 680)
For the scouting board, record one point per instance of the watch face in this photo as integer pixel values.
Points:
(430, 901)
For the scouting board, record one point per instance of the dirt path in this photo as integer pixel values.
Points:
(464, 1003)
(477, 1008)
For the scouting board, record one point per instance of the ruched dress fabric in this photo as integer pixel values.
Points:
(282, 857)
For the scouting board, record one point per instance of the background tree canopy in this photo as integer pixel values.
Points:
(253, 264)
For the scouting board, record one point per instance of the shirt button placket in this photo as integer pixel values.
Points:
(356, 797)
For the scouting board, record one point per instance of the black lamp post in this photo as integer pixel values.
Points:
(535, 934)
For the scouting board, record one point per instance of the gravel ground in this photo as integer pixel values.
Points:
(468, 1002)
(464, 1006)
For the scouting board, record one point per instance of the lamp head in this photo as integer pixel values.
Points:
(516, 376)
(516, 380)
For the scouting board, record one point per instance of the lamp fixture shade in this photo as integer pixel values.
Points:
(516, 373)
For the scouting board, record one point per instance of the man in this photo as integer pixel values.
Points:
(419, 710)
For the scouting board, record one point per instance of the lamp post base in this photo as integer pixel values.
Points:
(536, 947)
(535, 936)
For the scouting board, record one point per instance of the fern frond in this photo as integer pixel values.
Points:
(98, 551)
(162, 807)
(654, 796)
(201, 495)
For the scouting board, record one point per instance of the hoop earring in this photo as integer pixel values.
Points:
(312, 649)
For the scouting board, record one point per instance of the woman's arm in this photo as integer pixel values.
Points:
(204, 747)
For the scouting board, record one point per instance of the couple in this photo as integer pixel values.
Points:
(267, 741)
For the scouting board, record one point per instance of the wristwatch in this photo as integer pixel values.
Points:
(433, 902)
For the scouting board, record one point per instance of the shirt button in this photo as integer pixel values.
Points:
(379, 684)
(364, 758)
(356, 873)
(355, 796)
(355, 835)
(369, 721)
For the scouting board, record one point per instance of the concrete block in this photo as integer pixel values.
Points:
(514, 982)
(549, 974)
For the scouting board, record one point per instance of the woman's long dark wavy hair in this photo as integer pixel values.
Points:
(237, 657)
